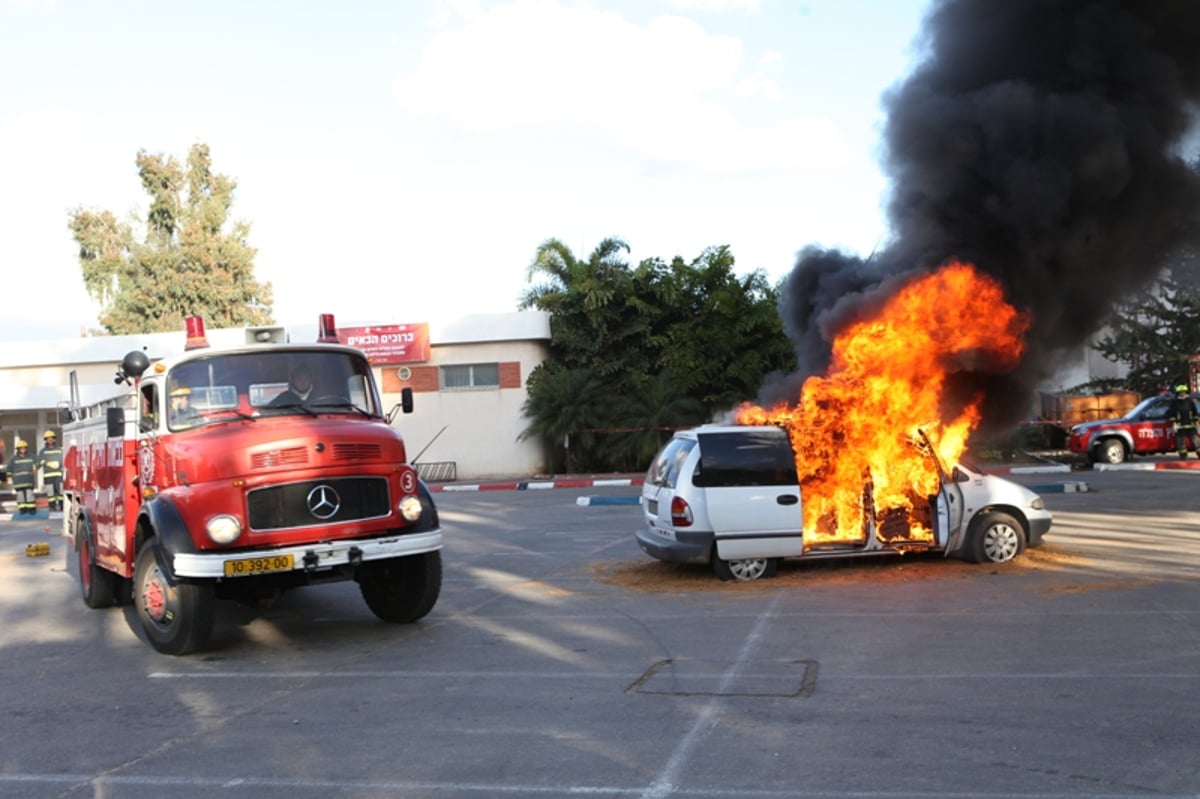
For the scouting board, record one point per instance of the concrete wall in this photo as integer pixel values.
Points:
(476, 429)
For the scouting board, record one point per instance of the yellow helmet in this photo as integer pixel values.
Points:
(1181, 389)
(182, 391)
(21, 444)
(49, 434)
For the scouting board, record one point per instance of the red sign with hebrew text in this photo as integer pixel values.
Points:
(389, 343)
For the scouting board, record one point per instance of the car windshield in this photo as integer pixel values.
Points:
(226, 386)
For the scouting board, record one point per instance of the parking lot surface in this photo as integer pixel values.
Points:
(560, 661)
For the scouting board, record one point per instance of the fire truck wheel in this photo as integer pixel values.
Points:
(995, 538)
(744, 570)
(98, 585)
(402, 590)
(176, 616)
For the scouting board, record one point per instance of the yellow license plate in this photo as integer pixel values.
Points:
(245, 567)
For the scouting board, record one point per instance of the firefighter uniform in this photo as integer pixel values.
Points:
(50, 461)
(22, 468)
(1184, 416)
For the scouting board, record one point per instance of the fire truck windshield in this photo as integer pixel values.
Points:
(273, 382)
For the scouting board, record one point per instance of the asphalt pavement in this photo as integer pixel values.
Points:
(560, 661)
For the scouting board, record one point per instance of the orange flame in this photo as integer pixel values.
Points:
(855, 431)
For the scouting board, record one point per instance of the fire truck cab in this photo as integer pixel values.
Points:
(239, 473)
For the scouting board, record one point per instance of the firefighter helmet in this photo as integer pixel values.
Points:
(182, 391)
(49, 434)
(21, 444)
(1181, 389)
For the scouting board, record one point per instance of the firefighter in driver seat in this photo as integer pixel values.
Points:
(182, 412)
(1183, 414)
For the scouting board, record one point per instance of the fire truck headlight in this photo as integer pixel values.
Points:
(223, 529)
(410, 508)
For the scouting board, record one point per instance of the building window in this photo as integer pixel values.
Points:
(470, 375)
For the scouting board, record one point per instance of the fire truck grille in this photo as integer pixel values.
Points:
(292, 456)
(356, 452)
(317, 502)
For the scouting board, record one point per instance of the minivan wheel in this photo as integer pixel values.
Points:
(745, 570)
(995, 538)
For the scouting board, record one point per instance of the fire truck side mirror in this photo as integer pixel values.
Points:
(116, 422)
(405, 404)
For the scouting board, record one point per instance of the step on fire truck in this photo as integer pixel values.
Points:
(215, 475)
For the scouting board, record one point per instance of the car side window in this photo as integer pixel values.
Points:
(1161, 410)
(149, 408)
(754, 457)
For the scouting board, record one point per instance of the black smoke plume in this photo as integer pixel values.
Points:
(1044, 141)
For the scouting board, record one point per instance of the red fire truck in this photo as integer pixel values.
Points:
(215, 475)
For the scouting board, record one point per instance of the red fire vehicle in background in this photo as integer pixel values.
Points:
(206, 479)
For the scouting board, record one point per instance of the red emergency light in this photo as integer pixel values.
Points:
(327, 330)
(195, 333)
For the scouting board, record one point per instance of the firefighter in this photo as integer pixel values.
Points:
(50, 462)
(21, 468)
(182, 412)
(1183, 414)
(299, 388)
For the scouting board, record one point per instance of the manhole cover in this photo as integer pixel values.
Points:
(780, 679)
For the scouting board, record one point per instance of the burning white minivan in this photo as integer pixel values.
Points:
(729, 495)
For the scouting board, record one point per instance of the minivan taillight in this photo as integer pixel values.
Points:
(681, 513)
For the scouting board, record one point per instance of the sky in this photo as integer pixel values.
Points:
(400, 161)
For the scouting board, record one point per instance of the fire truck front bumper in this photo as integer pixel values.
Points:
(303, 557)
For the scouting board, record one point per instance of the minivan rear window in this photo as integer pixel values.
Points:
(754, 457)
(664, 471)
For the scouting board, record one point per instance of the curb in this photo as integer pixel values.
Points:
(38, 517)
(1147, 467)
(536, 485)
(1060, 488)
(1046, 469)
(587, 501)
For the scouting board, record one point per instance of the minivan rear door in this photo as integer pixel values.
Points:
(749, 479)
(659, 486)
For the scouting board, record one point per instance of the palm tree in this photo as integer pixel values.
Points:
(655, 407)
(565, 405)
(566, 274)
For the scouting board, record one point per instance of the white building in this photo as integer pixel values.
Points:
(469, 393)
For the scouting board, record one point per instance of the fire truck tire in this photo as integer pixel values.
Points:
(744, 570)
(402, 590)
(994, 538)
(176, 616)
(1111, 451)
(96, 584)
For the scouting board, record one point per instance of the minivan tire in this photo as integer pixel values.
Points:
(744, 570)
(995, 537)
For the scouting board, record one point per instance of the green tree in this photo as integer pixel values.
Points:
(191, 259)
(663, 346)
(722, 334)
(1157, 331)
(566, 407)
